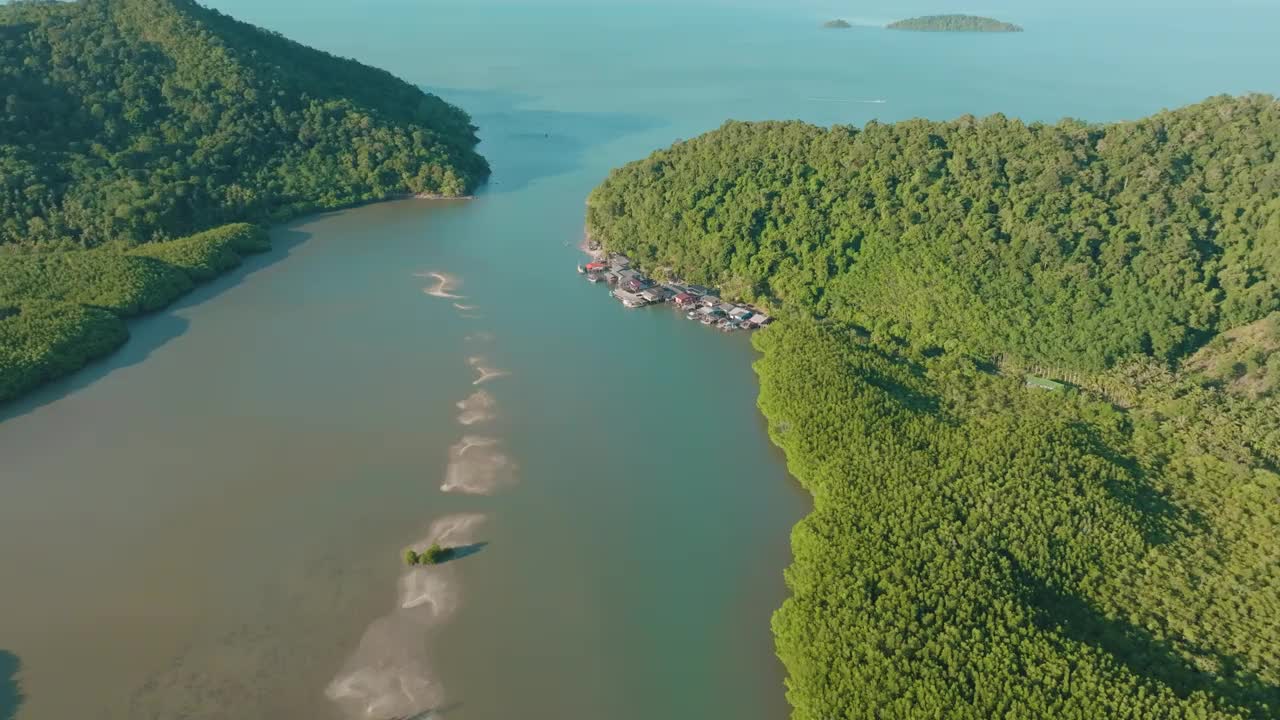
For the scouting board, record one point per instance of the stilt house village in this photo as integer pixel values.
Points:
(634, 289)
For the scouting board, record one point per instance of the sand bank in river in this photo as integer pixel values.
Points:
(390, 673)
(443, 287)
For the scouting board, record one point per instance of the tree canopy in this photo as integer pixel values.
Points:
(135, 120)
(1068, 244)
(125, 124)
(981, 546)
(981, 549)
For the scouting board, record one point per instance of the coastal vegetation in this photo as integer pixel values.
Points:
(59, 310)
(837, 24)
(433, 555)
(1071, 244)
(125, 124)
(954, 23)
(979, 547)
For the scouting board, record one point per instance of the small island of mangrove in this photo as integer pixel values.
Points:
(954, 23)
(433, 555)
(837, 24)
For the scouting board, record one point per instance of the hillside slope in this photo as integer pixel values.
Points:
(141, 119)
(979, 547)
(125, 124)
(1067, 244)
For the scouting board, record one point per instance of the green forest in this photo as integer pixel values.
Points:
(978, 547)
(954, 23)
(129, 127)
(1069, 244)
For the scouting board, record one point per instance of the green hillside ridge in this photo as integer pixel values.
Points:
(132, 120)
(954, 23)
(979, 548)
(127, 123)
(1069, 244)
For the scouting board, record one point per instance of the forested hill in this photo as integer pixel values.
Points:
(1068, 244)
(131, 120)
(137, 138)
(984, 544)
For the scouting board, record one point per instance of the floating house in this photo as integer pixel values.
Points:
(634, 289)
(630, 299)
(633, 281)
(654, 295)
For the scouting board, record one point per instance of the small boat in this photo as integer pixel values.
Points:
(581, 269)
(594, 277)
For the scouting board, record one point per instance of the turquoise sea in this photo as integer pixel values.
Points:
(209, 524)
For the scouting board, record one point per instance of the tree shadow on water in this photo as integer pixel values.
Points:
(10, 689)
(459, 552)
(149, 332)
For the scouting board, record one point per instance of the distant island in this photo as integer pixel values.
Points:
(837, 24)
(954, 23)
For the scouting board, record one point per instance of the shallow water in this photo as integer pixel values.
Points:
(210, 523)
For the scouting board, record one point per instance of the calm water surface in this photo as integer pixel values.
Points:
(208, 525)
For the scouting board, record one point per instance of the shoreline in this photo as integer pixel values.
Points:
(13, 406)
